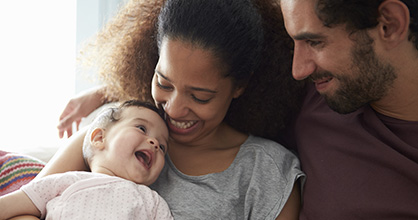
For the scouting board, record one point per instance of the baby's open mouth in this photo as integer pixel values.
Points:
(144, 157)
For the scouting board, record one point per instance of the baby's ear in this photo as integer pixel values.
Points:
(97, 139)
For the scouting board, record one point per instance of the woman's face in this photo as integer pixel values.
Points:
(189, 84)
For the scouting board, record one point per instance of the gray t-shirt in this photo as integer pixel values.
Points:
(255, 186)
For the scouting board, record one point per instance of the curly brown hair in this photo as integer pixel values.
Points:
(126, 53)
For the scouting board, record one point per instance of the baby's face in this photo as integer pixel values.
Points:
(136, 145)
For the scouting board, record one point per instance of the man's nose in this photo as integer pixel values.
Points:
(303, 64)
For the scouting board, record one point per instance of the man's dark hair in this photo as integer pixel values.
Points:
(362, 14)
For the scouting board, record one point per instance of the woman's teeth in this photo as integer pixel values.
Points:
(182, 125)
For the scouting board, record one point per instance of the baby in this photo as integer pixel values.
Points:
(124, 149)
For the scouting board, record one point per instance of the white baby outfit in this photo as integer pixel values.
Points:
(86, 195)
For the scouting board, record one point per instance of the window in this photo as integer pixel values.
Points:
(38, 44)
(37, 68)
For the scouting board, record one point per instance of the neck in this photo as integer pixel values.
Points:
(210, 154)
(222, 137)
(401, 102)
(401, 112)
(97, 167)
(102, 170)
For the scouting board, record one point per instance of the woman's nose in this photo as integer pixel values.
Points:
(303, 64)
(176, 106)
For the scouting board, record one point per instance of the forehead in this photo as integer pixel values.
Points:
(144, 115)
(300, 17)
(179, 57)
(137, 112)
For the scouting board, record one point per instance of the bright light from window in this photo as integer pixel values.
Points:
(37, 70)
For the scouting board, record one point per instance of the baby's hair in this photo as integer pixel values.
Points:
(144, 104)
(108, 117)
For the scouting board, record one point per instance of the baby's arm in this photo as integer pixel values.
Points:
(66, 159)
(15, 204)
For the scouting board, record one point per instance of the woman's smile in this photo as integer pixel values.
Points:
(191, 86)
(183, 124)
(181, 127)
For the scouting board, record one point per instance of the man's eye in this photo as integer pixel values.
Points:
(313, 43)
(142, 128)
(162, 147)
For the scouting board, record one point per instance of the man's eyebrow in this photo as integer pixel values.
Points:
(308, 35)
(193, 88)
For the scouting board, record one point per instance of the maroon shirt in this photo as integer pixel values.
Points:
(361, 165)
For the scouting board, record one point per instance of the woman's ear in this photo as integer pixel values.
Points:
(240, 89)
(394, 22)
(97, 139)
(238, 92)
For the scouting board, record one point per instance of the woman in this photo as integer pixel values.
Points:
(214, 77)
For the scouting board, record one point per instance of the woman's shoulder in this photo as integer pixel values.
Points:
(275, 168)
(266, 146)
(263, 153)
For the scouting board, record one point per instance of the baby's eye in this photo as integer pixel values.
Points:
(163, 148)
(142, 128)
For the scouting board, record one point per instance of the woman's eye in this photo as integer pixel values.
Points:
(162, 147)
(163, 87)
(142, 128)
(201, 101)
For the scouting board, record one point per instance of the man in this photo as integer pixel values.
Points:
(357, 134)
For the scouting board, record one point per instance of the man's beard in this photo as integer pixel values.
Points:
(369, 79)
